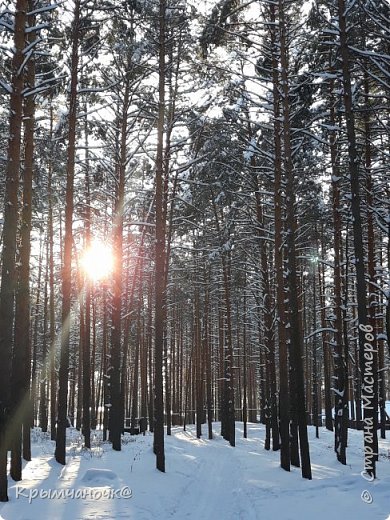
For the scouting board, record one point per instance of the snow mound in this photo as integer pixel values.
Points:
(99, 477)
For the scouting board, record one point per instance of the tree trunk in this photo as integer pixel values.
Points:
(364, 328)
(160, 256)
(21, 370)
(86, 354)
(296, 335)
(284, 401)
(68, 243)
(116, 410)
(8, 279)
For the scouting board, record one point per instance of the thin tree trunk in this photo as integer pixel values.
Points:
(363, 327)
(116, 410)
(207, 355)
(325, 342)
(198, 365)
(284, 400)
(68, 243)
(86, 364)
(160, 262)
(50, 238)
(296, 336)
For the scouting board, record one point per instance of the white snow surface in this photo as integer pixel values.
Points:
(99, 477)
(204, 479)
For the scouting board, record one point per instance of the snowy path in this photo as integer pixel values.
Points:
(215, 489)
(204, 480)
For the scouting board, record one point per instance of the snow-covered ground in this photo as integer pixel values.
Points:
(203, 480)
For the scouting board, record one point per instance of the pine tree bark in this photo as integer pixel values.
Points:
(368, 411)
(228, 400)
(86, 365)
(68, 243)
(371, 267)
(50, 238)
(160, 255)
(341, 403)
(207, 356)
(116, 410)
(284, 398)
(296, 335)
(43, 415)
(325, 342)
(22, 348)
(198, 365)
(8, 279)
(35, 331)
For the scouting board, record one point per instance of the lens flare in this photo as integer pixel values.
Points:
(97, 261)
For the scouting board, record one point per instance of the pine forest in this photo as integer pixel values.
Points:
(195, 255)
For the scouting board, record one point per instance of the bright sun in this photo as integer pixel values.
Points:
(97, 261)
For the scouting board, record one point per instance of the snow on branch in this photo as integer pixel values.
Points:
(38, 27)
(6, 87)
(44, 9)
(29, 47)
(319, 331)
